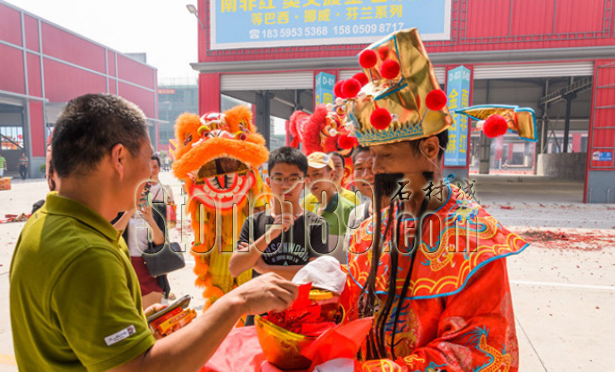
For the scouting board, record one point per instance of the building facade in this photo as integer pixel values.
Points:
(554, 56)
(43, 66)
(174, 100)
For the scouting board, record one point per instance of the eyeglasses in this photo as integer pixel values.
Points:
(277, 180)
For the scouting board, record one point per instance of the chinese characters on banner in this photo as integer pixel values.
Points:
(458, 92)
(324, 88)
(277, 23)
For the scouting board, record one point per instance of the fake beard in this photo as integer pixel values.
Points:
(386, 185)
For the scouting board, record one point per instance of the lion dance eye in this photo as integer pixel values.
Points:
(204, 130)
(187, 139)
(241, 136)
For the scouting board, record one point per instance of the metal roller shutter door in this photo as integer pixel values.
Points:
(279, 81)
(533, 70)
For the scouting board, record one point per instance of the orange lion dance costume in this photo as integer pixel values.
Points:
(217, 159)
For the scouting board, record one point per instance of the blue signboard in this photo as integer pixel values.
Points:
(324, 88)
(458, 93)
(277, 23)
(602, 156)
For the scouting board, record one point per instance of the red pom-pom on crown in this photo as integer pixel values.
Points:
(495, 126)
(380, 118)
(436, 100)
(389, 69)
(368, 58)
(351, 88)
(361, 78)
(337, 89)
(346, 142)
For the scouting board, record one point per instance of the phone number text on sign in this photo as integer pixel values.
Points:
(364, 29)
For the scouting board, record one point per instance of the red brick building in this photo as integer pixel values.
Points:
(43, 65)
(555, 56)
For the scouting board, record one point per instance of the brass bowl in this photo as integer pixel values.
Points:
(282, 348)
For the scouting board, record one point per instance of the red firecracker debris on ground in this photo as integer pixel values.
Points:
(15, 218)
(590, 240)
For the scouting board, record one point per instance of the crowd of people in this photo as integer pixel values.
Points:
(80, 291)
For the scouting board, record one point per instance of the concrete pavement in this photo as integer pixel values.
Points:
(563, 285)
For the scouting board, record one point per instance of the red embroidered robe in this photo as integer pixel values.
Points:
(457, 314)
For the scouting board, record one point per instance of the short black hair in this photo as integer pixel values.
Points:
(442, 139)
(335, 153)
(155, 157)
(89, 126)
(358, 150)
(288, 155)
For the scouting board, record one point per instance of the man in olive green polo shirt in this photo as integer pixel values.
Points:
(74, 297)
(330, 205)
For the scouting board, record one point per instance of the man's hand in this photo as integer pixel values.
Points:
(243, 247)
(281, 222)
(146, 212)
(154, 309)
(264, 293)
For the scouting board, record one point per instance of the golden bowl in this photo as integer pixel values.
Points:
(281, 347)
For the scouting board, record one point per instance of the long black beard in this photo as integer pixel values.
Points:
(386, 186)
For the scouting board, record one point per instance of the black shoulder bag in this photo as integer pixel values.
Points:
(167, 257)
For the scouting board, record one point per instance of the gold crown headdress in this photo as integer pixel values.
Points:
(496, 120)
(401, 99)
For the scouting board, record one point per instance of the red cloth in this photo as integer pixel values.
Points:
(239, 352)
(147, 282)
(458, 312)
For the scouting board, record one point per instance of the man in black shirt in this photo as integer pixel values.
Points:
(285, 238)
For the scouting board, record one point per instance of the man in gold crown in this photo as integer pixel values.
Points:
(431, 270)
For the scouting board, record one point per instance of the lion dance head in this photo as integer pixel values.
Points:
(217, 159)
(323, 131)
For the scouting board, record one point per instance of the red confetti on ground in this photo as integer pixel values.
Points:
(506, 207)
(587, 241)
(15, 218)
